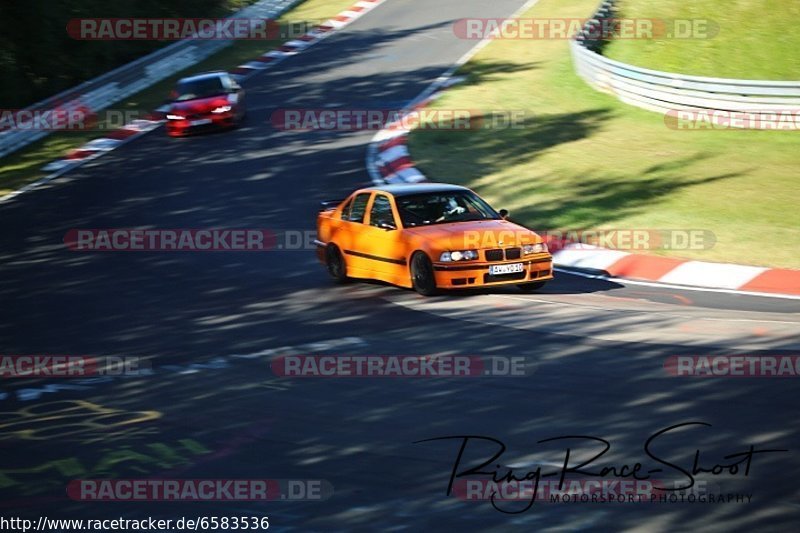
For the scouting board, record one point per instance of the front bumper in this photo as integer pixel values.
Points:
(200, 124)
(476, 274)
(320, 246)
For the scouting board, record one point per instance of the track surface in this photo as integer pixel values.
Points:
(594, 349)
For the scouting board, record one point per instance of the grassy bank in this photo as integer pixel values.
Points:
(751, 39)
(584, 160)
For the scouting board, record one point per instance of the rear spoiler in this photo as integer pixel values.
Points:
(330, 204)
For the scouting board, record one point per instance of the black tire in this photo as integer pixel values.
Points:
(422, 278)
(334, 261)
(530, 287)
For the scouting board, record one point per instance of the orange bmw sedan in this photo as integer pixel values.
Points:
(428, 237)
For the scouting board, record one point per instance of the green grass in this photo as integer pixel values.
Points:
(24, 166)
(586, 161)
(757, 39)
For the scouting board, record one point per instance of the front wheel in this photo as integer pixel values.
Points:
(335, 264)
(422, 278)
(530, 287)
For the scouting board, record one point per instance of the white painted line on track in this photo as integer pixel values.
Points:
(442, 81)
(751, 320)
(662, 313)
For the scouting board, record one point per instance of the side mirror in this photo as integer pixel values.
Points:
(504, 214)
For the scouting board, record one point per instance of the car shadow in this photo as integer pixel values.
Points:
(563, 283)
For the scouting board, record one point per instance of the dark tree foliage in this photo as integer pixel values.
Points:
(39, 59)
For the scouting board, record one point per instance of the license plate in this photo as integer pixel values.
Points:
(200, 122)
(498, 270)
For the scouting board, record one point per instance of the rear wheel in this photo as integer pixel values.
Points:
(422, 278)
(530, 287)
(335, 263)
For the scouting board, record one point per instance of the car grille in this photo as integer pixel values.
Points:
(494, 255)
(508, 254)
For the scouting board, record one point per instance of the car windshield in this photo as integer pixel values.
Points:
(443, 208)
(200, 88)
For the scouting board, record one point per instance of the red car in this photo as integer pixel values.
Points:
(204, 102)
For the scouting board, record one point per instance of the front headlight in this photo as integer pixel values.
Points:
(174, 117)
(465, 255)
(529, 249)
(221, 109)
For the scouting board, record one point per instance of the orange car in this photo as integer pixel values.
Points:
(428, 237)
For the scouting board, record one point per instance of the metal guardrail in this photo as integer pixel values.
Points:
(111, 87)
(668, 92)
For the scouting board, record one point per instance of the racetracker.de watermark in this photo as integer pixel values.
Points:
(56, 119)
(378, 119)
(397, 366)
(170, 240)
(73, 119)
(721, 120)
(163, 490)
(71, 366)
(176, 29)
(554, 490)
(591, 490)
(733, 366)
(254, 240)
(596, 29)
(612, 239)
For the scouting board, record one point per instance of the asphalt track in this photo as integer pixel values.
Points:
(211, 322)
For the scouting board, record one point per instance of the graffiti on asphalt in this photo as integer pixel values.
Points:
(75, 420)
(110, 463)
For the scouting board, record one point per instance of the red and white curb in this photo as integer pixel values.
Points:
(89, 151)
(388, 158)
(116, 138)
(99, 146)
(677, 272)
(295, 46)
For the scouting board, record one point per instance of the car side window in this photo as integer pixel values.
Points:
(381, 214)
(346, 210)
(359, 208)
